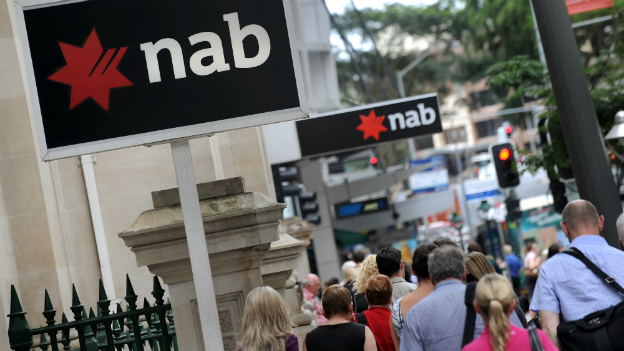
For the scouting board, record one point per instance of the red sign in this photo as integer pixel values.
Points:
(580, 6)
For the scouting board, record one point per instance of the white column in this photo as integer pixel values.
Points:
(87, 162)
(198, 249)
(216, 157)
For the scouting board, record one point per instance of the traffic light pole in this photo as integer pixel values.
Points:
(578, 118)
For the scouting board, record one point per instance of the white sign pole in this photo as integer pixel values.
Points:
(198, 249)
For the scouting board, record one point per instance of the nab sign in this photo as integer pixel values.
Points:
(108, 74)
(368, 125)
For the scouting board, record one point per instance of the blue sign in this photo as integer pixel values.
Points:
(359, 208)
(483, 195)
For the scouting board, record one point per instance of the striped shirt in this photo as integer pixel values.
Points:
(397, 317)
(437, 322)
(566, 286)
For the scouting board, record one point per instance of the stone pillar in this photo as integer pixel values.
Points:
(301, 230)
(279, 262)
(239, 226)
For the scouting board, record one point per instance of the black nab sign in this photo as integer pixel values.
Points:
(107, 74)
(368, 125)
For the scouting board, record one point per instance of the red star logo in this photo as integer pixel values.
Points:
(372, 125)
(90, 72)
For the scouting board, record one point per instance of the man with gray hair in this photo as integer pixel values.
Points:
(436, 323)
(311, 287)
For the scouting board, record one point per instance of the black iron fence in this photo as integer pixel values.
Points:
(119, 331)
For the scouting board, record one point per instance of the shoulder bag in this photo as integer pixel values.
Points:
(471, 314)
(536, 343)
(601, 330)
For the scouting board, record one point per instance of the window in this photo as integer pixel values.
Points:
(424, 142)
(482, 98)
(457, 134)
(488, 128)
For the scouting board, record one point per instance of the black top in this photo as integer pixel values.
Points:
(359, 303)
(359, 300)
(338, 337)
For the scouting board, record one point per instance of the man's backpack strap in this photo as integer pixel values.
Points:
(471, 314)
(576, 253)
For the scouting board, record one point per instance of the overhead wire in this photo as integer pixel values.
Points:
(372, 38)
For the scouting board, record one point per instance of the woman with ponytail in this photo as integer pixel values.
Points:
(494, 301)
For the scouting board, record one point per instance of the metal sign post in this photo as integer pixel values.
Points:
(198, 248)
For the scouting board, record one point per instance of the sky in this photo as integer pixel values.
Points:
(337, 6)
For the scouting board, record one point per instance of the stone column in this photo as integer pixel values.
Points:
(279, 262)
(239, 227)
(301, 230)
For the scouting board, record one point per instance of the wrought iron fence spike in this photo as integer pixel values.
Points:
(49, 312)
(48, 303)
(65, 331)
(120, 320)
(103, 295)
(16, 306)
(146, 304)
(77, 308)
(131, 297)
(20, 334)
(158, 292)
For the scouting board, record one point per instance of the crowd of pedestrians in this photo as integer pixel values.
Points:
(461, 301)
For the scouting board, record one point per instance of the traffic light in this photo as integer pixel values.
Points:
(505, 164)
(308, 207)
(286, 180)
(508, 130)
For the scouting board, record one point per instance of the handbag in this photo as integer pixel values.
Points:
(602, 330)
(531, 273)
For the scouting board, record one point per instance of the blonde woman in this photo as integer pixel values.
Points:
(495, 301)
(266, 323)
(367, 270)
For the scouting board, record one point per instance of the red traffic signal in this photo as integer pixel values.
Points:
(508, 129)
(504, 154)
(373, 160)
(504, 161)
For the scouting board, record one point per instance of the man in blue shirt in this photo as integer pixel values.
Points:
(566, 287)
(514, 265)
(436, 323)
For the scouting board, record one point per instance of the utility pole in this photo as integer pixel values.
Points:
(577, 114)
